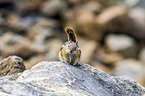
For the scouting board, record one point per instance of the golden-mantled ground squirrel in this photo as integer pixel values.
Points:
(70, 52)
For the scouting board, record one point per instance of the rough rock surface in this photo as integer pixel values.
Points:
(11, 65)
(58, 79)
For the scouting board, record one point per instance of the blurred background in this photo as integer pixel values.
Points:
(111, 33)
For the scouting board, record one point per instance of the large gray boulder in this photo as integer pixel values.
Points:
(49, 78)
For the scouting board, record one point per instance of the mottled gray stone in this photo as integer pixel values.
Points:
(49, 78)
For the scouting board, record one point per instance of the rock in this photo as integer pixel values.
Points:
(107, 58)
(142, 55)
(140, 4)
(2, 47)
(69, 16)
(130, 68)
(25, 50)
(42, 30)
(74, 1)
(56, 78)
(14, 44)
(27, 6)
(82, 15)
(5, 26)
(10, 38)
(54, 46)
(1, 58)
(11, 65)
(81, 12)
(88, 48)
(113, 19)
(109, 14)
(17, 24)
(101, 66)
(95, 26)
(53, 7)
(15, 21)
(123, 44)
(34, 60)
(136, 22)
(93, 6)
(130, 3)
(86, 25)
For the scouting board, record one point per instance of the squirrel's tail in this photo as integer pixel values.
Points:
(71, 34)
